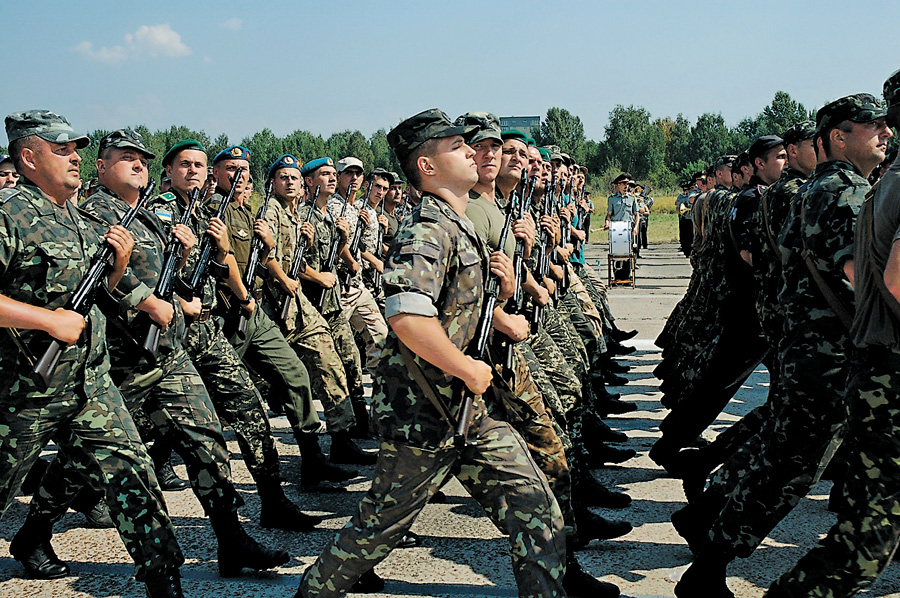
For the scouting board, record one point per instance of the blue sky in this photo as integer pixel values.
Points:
(235, 67)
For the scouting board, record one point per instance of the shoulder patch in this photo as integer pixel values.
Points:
(7, 194)
(167, 196)
(162, 214)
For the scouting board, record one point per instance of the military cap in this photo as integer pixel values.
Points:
(763, 144)
(726, 160)
(5, 158)
(488, 126)
(47, 125)
(349, 162)
(395, 177)
(799, 132)
(233, 152)
(622, 178)
(545, 154)
(187, 144)
(742, 159)
(858, 108)
(419, 128)
(892, 89)
(556, 155)
(126, 138)
(515, 134)
(383, 173)
(314, 165)
(283, 161)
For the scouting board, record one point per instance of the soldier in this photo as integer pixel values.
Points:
(264, 347)
(863, 541)
(372, 256)
(45, 247)
(167, 389)
(433, 283)
(683, 205)
(391, 202)
(817, 259)
(8, 175)
(304, 328)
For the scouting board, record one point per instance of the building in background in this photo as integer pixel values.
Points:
(526, 124)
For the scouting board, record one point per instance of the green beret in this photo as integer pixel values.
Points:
(516, 134)
(545, 153)
(187, 144)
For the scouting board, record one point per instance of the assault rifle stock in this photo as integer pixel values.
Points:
(256, 249)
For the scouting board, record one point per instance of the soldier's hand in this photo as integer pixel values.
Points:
(343, 228)
(541, 296)
(353, 266)
(250, 307)
(159, 310)
(518, 328)
(187, 237)
(327, 279)
(383, 221)
(65, 325)
(219, 232)
(524, 229)
(565, 252)
(502, 266)
(122, 242)
(479, 376)
(551, 287)
(365, 217)
(290, 286)
(191, 308)
(547, 224)
(261, 228)
(308, 231)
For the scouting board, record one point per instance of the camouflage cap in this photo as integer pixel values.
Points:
(763, 144)
(283, 161)
(384, 174)
(125, 138)
(47, 125)
(187, 144)
(892, 89)
(726, 160)
(488, 126)
(417, 129)
(395, 177)
(799, 132)
(858, 108)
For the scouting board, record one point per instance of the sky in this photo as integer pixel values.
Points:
(236, 68)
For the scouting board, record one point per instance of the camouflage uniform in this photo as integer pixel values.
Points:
(814, 360)
(863, 541)
(435, 269)
(44, 252)
(306, 330)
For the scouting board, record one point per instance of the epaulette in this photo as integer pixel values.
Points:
(167, 196)
(7, 194)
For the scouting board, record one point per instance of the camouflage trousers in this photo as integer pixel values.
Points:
(234, 396)
(349, 354)
(863, 541)
(311, 339)
(361, 310)
(809, 417)
(556, 366)
(540, 378)
(101, 442)
(266, 351)
(496, 470)
(586, 303)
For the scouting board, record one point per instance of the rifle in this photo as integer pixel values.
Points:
(297, 265)
(582, 214)
(206, 265)
(357, 235)
(84, 296)
(379, 242)
(168, 281)
(563, 230)
(328, 266)
(491, 291)
(517, 207)
(543, 259)
(256, 249)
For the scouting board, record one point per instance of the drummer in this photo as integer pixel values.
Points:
(622, 206)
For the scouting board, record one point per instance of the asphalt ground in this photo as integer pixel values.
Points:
(463, 554)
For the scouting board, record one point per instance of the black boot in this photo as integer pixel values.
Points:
(31, 547)
(591, 493)
(617, 348)
(578, 583)
(98, 516)
(601, 454)
(595, 426)
(706, 575)
(617, 368)
(314, 468)
(619, 335)
(693, 522)
(238, 551)
(605, 407)
(591, 526)
(278, 512)
(614, 380)
(164, 586)
(360, 429)
(693, 466)
(368, 583)
(347, 452)
(168, 479)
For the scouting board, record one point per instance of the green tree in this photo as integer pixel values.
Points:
(638, 145)
(350, 143)
(561, 127)
(265, 147)
(710, 138)
(304, 145)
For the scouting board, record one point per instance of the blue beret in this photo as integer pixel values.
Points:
(314, 165)
(234, 152)
(5, 158)
(283, 161)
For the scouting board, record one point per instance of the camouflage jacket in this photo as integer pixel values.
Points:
(369, 234)
(45, 251)
(139, 280)
(316, 255)
(822, 217)
(351, 215)
(435, 268)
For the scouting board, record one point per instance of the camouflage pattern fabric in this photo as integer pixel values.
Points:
(317, 253)
(44, 252)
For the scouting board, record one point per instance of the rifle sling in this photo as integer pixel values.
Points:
(419, 377)
(877, 273)
(834, 302)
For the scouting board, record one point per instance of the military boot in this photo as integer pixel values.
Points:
(591, 493)
(601, 454)
(31, 547)
(164, 586)
(360, 429)
(347, 452)
(368, 583)
(168, 479)
(591, 526)
(596, 427)
(237, 550)
(706, 575)
(314, 468)
(278, 512)
(578, 583)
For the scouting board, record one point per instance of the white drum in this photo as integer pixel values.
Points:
(619, 239)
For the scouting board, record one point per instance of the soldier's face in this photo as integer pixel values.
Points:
(225, 171)
(287, 184)
(546, 172)
(453, 163)
(802, 156)
(57, 165)
(187, 171)
(350, 176)
(324, 177)
(866, 143)
(8, 175)
(124, 170)
(395, 193)
(770, 166)
(379, 190)
(487, 158)
(514, 159)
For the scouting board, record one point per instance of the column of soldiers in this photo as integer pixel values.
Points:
(794, 267)
(334, 266)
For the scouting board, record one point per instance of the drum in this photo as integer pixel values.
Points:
(620, 238)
